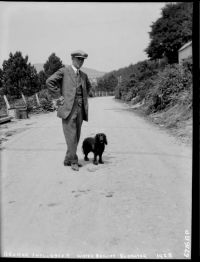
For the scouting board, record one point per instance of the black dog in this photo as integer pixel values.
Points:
(96, 145)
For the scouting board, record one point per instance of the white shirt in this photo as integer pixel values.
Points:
(75, 69)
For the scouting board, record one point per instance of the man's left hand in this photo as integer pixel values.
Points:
(60, 101)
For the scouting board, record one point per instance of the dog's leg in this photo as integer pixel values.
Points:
(95, 162)
(86, 158)
(100, 160)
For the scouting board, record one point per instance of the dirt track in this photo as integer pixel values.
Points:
(138, 204)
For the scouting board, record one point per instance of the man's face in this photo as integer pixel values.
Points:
(77, 62)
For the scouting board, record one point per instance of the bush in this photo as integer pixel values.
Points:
(142, 94)
(47, 105)
(135, 100)
(129, 95)
(188, 64)
(44, 94)
(168, 88)
(172, 81)
(31, 103)
(45, 100)
(19, 102)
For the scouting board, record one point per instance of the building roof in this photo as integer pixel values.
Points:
(185, 45)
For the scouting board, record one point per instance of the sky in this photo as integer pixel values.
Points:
(113, 34)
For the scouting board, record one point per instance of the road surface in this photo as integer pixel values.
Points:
(136, 205)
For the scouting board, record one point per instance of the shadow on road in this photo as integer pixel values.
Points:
(106, 160)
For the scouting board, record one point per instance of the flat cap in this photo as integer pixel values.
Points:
(79, 53)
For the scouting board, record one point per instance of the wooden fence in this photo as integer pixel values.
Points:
(21, 111)
(13, 110)
(104, 93)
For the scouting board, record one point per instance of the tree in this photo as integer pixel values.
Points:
(52, 65)
(171, 31)
(33, 84)
(100, 84)
(19, 76)
(42, 79)
(107, 83)
(1, 77)
(1, 82)
(111, 82)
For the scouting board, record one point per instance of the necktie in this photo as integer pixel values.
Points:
(78, 78)
(79, 89)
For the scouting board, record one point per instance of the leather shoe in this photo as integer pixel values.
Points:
(67, 163)
(75, 167)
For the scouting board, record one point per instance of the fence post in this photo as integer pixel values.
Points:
(37, 99)
(6, 101)
(24, 99)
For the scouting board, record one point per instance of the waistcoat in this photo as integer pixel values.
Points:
(79, 91)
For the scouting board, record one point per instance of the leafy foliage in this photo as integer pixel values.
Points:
(1, 77)
(159, 84)
(138, 79)
(42, 79)
(19, 76)
(47, 105)
(128, 81)
(175, 79)
(45, 100)
(171, 31)
(52, 65)
(107, 83)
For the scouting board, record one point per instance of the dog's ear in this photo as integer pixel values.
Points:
(105, 140)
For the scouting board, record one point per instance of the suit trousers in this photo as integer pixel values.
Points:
(72, 131)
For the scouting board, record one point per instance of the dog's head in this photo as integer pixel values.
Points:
(101, 138)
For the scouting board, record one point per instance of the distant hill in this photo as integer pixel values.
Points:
(92, 73)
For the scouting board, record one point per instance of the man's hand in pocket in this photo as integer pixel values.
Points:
(60, 101)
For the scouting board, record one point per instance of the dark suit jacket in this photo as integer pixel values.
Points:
(63, 82)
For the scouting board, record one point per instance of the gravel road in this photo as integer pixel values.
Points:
(136, 205)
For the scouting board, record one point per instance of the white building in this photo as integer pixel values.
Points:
(185, 52)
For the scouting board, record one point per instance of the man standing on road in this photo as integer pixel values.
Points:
(72, 101)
